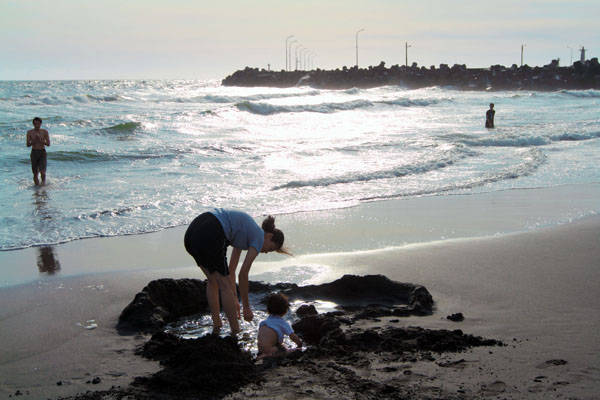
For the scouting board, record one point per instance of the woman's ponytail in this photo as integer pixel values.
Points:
(268, 225)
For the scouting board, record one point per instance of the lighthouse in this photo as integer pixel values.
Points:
(582, 50)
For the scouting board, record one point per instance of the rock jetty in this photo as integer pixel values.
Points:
(579, 76)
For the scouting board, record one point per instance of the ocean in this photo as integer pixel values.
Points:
(130, 156)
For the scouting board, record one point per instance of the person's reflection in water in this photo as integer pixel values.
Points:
(47, 261)
(40, 199)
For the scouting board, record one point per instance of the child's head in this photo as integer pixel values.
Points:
(277, 304)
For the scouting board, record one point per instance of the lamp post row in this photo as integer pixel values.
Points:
(288, 53)
(299, 62)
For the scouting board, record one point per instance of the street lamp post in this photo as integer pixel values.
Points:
(290, 52)
(406, 46)
(569, 47)
(304, 58)
(296, 56)
(523, 45)
(359, 31)
(287, 54)
(300, 58)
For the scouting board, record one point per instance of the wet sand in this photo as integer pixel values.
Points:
(535, 291)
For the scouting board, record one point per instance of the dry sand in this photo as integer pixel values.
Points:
(536, 291)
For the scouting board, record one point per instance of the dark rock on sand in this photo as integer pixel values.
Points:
(355, 290)
(399, 341)
(166, 300)
(163, 301)
(210, 365)
(305, 310)
(313, 328)
(457, 317)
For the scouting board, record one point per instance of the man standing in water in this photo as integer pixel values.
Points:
(37, 139)
(489, 116)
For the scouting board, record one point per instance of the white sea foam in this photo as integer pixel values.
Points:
(129, 157)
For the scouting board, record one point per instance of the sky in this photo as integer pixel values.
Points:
(195, 39)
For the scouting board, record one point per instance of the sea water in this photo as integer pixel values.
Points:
(130, 157)
(196, 326)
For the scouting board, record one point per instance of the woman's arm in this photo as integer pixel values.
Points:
(243, 282)
(233, 263)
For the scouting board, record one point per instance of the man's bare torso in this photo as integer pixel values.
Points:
(38, 138)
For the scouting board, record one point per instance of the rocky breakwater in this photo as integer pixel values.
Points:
(581, 75)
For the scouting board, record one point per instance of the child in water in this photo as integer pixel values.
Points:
(272, 329)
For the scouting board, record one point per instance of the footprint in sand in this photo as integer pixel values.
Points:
(536, 388)
(551, 363)
(494, 388)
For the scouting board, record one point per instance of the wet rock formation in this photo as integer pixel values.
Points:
(163, 301)
(370, 290)
(166, 300)
(212, 366)
(497, 77)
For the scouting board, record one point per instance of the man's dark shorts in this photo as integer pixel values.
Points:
(39, 160)
(205, 241)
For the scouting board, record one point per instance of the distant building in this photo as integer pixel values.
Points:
(582, 54)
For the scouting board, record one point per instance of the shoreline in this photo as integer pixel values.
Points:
(534, 290)
(366, 226)
(513, 288)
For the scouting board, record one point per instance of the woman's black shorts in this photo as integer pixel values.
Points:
(205, 241)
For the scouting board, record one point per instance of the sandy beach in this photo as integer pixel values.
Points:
(533, 289)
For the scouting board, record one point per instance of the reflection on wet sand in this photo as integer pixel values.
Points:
(47, 261)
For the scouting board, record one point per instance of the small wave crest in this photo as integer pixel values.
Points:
(93, 156)
(123, 128)
(528, 141)
(581, 93)
(82, 156)
(447, 159)
(410, 102)
(87, 98)
(532, 160)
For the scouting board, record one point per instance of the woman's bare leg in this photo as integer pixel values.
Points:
(229, 302)
(212, 297)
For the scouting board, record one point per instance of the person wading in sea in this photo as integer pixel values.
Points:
(37, 139)
(489, 116)
(207, 239)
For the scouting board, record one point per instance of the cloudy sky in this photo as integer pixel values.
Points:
(195, 39)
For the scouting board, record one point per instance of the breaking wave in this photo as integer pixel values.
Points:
(529, 141)
(581, 93)
(270, 109)
(533, 159)
(223, 99)
(327, 108)
(450, 158)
